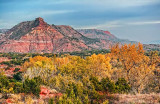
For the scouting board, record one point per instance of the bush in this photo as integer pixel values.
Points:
(18, 87)
(108, 85)
(16, 69)
(4, 82)
(122, 86)
(38, 80)
(18, 76)
(31, 86)
(51, 101)
(7, 63)
(96, 83)
(16, 62)
(106, 102)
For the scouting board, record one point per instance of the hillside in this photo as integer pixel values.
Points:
(151, 47)
(153, 42)
(39, 37)
(103, 35)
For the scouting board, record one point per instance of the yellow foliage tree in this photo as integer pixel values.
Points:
(39, 66)
(134, 65)
(99, 65)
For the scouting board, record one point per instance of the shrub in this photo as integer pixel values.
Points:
(108, 85)
(31, 86)
(4, 82)
(51, 101)
(16, 62)
(106, 102)
(38, 80)
(96, 83)
(18, 87)
(16, 69)
(7, 63)
(122, 86)
(18, 76)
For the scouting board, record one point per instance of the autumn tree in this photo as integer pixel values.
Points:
(39, 66)
(134, 65)
(154, 58)
(99, 65)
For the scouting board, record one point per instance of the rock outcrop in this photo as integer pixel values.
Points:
(48, 93)
(39, 37)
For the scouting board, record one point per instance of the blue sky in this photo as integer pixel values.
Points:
(137, 20)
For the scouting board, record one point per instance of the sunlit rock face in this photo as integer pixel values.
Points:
(39, 37)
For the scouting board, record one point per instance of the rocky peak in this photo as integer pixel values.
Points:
(107, 32)
(40, 22)
(23, 28)
(40, 19)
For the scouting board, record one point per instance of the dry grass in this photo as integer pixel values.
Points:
(136, 99)
(112, 99)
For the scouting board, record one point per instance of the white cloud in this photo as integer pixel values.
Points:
(31, 15)
(127, 3)
(54, 12)
(144, 23)
(115, 3)
(106, 25)
(23, 16)
(49, 2)
(41, 13)
(119, 23)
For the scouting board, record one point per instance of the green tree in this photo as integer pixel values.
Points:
(18, 76)
(122, 86)
(108, 85)
(31, 86)
(18, 87)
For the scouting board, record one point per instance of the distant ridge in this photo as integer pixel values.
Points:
(153, 42)
(104, 35)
